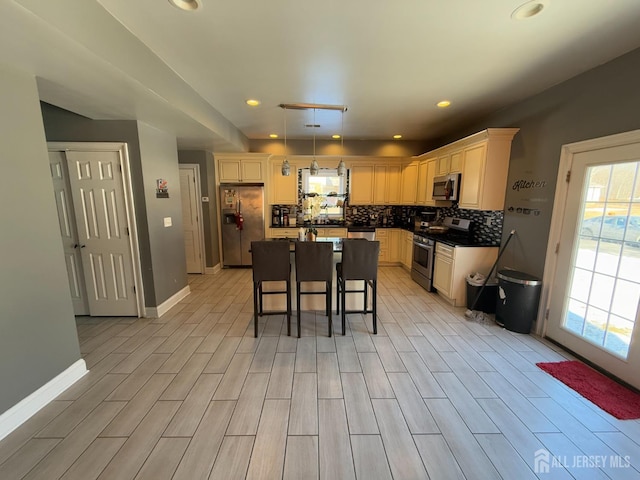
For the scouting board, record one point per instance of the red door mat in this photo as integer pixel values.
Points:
(606, 393)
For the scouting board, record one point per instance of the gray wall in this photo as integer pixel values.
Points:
(159, 155)
(601, 102)
(38, 338)
(63, 126)
(152, 155)
(209, 209)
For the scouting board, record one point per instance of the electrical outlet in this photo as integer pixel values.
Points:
(354, 211)
(489, 221)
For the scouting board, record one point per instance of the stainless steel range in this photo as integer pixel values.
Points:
(422, 262)
(459, 233)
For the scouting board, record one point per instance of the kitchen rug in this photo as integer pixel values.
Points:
(606, 393)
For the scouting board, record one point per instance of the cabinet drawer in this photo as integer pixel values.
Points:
(283, 232)
(445, 250)
(381, 233)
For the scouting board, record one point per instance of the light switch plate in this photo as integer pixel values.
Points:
(167, 221)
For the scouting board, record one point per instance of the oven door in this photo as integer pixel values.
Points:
(422, 264)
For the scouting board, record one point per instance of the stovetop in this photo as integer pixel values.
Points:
(460, 234)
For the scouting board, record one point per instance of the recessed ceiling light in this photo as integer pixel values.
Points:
(189, 5)
(273, 135)
(253, 102)
(529, 9)
(335, 137)
(397, 137)
(443, 103)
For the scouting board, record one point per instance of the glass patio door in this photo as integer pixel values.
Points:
(596, 291)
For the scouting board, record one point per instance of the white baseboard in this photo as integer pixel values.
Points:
(29, 406)
(212, 270)
(164, 307)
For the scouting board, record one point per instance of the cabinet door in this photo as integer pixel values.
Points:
(473, 176)
(394, 245)
(284, 190)
(443, 165)
(442, 274)
(361, 185)
(409, 184)
(251, 171)
(431, 174)
(380, 176)
(421, 197)
(408, 250)
(229, 171)
(394, 183)
(455, 163)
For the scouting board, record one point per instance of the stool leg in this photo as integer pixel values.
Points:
(298, 306)
(344, 306)
(366, 291)
(374, 300)
(255, 308)
(260, 296)
(329, 287)
(289, 306)
(337, 296)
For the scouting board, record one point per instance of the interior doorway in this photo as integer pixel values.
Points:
(192, 217)
(595, 294)
(96, 216)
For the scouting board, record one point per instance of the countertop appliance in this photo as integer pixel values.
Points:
(242, 220)
(446, 187)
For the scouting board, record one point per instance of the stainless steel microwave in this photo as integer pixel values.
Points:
(446, 187)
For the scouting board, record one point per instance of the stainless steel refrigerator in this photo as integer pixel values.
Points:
(242, 219)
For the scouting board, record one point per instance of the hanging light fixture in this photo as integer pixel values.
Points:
(342, 168)
(286, 168)
(313, 168)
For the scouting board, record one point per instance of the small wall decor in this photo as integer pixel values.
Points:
(162, 189)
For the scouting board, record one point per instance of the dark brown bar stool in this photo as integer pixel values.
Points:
(359, 262)
(271, 262)
(314, 263)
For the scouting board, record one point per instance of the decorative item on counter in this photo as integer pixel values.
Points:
(311, 234)
(301, 234)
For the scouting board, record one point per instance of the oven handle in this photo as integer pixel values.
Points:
(420, 245)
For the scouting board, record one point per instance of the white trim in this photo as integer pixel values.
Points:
(29, 406)
(212, 270)
(127, 187)
(559, 205)
(164, 307)
(196, 175)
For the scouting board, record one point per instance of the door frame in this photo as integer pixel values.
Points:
(122, 150)
(559, 203)
(196, 172)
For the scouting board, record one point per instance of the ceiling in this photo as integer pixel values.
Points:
(190, 73)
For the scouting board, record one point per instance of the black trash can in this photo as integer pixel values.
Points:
(518, 298)
(487, 301)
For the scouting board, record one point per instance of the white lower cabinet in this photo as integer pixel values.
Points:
(453, 264)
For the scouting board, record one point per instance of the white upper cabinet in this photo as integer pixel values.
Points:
(483, 161)
(245, 168)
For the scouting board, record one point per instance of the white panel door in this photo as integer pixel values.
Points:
(98, 198)
(191, 218)
(595, 299)
(68, 232)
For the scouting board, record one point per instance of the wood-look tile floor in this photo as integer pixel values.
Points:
(193, 395)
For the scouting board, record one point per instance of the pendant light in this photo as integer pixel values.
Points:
(286, 168)
(313, 168)
(342, 168)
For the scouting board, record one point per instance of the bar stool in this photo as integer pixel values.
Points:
(314, 263)
(271, 262)
(359, 262)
